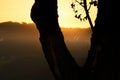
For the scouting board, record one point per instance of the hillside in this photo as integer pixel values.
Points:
(21, 56)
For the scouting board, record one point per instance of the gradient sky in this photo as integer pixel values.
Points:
(19, 11)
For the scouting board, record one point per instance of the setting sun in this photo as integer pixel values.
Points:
(19, 11)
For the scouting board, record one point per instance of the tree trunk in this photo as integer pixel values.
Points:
(62, 64)
(104, 42)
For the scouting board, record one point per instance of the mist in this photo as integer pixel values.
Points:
(21, 55)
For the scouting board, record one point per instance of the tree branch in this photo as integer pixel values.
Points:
(87, 14)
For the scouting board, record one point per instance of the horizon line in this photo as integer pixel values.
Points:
(34, 23)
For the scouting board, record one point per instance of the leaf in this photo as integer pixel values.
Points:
(79, 16)
(75, 16)
(91, 3)
(72, 5)
(95, 3)
(81, 3)
(80, 19)
(76, 11)
(86, 17)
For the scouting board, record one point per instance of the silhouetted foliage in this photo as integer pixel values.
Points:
(86, 5)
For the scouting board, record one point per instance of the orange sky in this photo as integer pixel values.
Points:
(19, 11)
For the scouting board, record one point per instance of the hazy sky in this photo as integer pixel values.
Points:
(19, 11)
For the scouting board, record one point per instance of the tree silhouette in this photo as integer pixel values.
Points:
(103, 57)
(62, 64)
(104, 40)
(86, 5)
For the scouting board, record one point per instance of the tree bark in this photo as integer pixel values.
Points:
(103, 42)
(62, 64)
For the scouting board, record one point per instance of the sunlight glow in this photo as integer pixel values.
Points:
(15, 10)
(19, 11)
